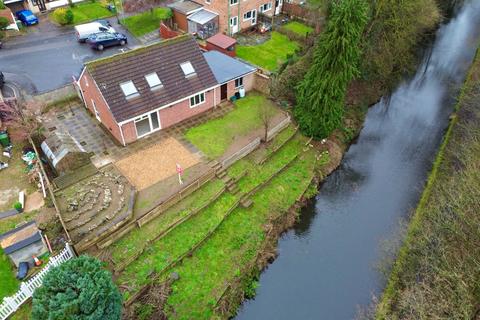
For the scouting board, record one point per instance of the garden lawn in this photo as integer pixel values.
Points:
(234, 246)
(214, 137)
(87, 11)
(298, 28)
(270, 54)
(8, 282)
(147, 21)
(135, 240)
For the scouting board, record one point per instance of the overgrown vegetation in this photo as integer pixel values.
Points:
(321, 94)
(7, 277)
(394, 31)
(437, 274)
(80, 13)
(298, 27)
(270, 54)
(147, 21)
(77, 289)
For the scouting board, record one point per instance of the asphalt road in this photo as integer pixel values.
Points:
(48, 56)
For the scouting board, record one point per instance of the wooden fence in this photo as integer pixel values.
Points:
(27, 288)
(241, 153)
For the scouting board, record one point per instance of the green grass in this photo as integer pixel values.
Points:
(234, 246)
(298, 27)
(270, 54)
(214, 137)
(146, 22)
(9, 284)
(135, 239)
(86, 12)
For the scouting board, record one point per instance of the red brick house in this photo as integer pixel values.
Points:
(232, 16)
(141, 91)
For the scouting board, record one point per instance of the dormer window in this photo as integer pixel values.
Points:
(153, 81)
(187, 69)
(129, 89)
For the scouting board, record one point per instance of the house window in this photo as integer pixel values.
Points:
(97, 114)
(247, 15)
(233, 2)
(153, 81)
(238, 83)
(197, 100)
(129, 89)
(266, 7)
(187, 69)
(147, 124)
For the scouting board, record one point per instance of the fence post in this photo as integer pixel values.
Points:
(26, 289)
(70, 250)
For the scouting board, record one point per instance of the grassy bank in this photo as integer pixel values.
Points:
(436, 275)
(147, 21)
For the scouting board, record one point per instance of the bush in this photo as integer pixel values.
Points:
(63, 16)
(78, 289)
(18, 206)
(2, 5)
(4, 22)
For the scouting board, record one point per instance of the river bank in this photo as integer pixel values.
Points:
(434, 275)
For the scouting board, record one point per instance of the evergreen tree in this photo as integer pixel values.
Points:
(321, 94)
(78, 289)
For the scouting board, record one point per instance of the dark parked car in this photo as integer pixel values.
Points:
(27, 17)
(22, 270)
(102, 40)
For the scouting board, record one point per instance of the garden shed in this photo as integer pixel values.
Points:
(64, 153)
(222, 43)
(23, 242)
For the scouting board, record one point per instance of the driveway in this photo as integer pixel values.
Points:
(48, 56)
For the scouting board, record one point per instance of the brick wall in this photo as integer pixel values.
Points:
(166, 32)
(222, 7)
(129, 132)
(181, 111)
(181, 20)
(91, 95)
(7, 13)
(261, 83)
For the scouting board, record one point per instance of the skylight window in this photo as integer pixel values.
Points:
(153, 81)
(129, 89)
(187, 69)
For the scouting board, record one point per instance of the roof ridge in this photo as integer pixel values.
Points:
(100, 61)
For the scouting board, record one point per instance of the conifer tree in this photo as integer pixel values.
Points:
(321, 94)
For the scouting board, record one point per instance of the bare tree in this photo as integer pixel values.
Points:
(266, 113)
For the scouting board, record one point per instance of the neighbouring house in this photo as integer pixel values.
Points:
(193, 18)
(224, 16)
(64, 153)
(22, 243)
(141, 91)
(222, 43)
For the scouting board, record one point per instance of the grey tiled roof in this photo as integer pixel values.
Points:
(164, 58)
(226, 68)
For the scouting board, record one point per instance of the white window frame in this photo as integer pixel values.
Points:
(147, 116)
(153, 81)
(202, 99)
(95, 110)
(233, 18)
(234, 2)
(132, 94)
(269, 6)
(186, 66)
(247, 19)
(240, 79)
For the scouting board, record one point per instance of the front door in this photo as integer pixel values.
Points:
(234, 24)
(223, 92)
(254, 17)
(278, 6)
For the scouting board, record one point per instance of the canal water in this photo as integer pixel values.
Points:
(327, 267)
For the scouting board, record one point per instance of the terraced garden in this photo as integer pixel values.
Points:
(208, 237)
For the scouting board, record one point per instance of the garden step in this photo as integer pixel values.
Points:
(232, 187)
(246, 202)
(222, 173)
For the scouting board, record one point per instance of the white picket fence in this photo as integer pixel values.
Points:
(12, 303)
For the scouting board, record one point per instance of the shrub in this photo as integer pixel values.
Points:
(4, 22)
(18, 206)
(63, 16)
(78, 289)
(2, 5)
